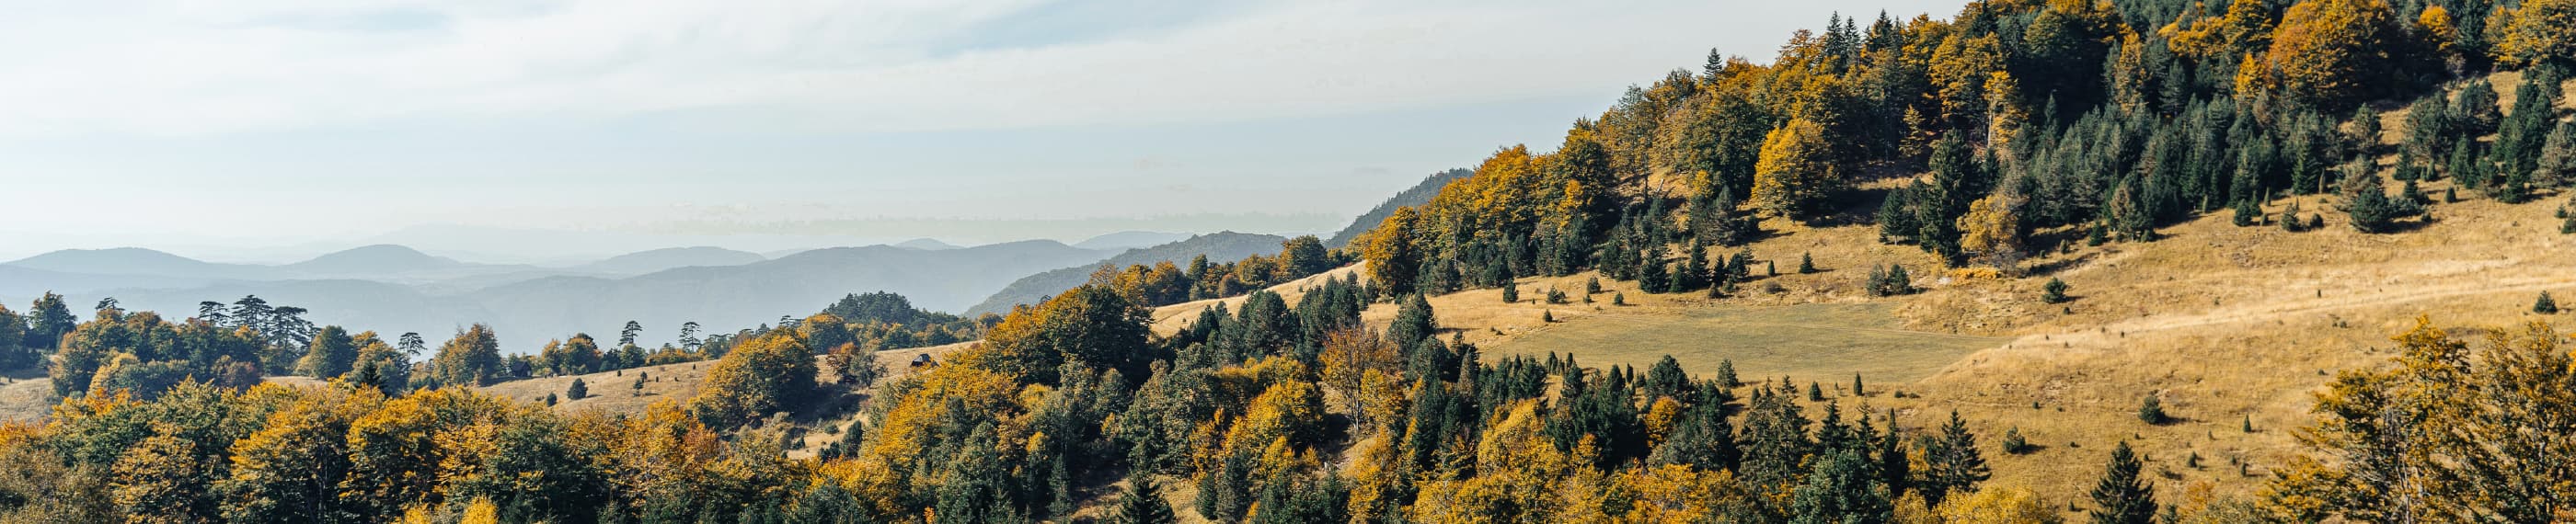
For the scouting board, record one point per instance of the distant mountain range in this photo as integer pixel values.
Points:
(1218, 247)
(393, 289)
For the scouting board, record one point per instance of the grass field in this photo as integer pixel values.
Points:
(1823, 342)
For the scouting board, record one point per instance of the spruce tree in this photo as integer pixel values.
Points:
(2122, 497)
(1815, 392)
(1857, 386)
(2152, 411)
(2545, 305)
(2054, 292)
(1142, 504)
(1951, 461)
(1843, 488)
(1806, 263)
(1726, 374)
(1511, 292)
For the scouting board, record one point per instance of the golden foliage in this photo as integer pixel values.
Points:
(2326, 51)
(1997, 505)
(1796, 172)
(2537, 32)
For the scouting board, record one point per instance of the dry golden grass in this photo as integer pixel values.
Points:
(2225, 324)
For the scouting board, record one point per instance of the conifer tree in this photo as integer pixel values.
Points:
(1951, 461)
(2121, 497)
(2054, 292)
(1142, 503)
(2152, 411)
(2014, 443)
(578, 391)
(1511, 292)
(1843, 488)
(2545, 305)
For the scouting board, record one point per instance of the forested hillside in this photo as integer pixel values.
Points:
(1413, 196)
(2016, 143)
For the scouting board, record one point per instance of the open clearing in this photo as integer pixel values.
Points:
(1824, 342)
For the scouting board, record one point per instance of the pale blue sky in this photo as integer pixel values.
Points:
(197, 125)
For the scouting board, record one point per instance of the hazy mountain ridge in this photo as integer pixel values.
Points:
(527, 305)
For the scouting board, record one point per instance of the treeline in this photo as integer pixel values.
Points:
(1165, 283)
(1285, 415)
(2022, 125)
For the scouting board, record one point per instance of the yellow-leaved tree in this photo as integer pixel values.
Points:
(2334, 53)
(1796, 176)
(2538, 32)
(764, 375)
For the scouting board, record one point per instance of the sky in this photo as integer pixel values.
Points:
(250, 129)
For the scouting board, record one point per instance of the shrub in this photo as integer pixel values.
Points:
(579, 390)
(2013, 442)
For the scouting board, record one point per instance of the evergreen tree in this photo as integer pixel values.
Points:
(1511, 292)
(2122, 497)
(1843, 488)
(1806, 263)
(1413, 323)
(1951, 461)
(1726, 374)
(2545, 305)
(2152, 411)
(2054, 292)
(579, 390)
(1142, 503)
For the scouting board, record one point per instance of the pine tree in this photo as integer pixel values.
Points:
(2122, 497)
(1857, 386)
(1511, 292)
(2152, 411)
(1547, 316)
(1726, 374)
(2054, 292)
(2545, 305)
(1142, 504)
(1815, 392)
(1806, 263)
(1951, 461)
(1842, 488)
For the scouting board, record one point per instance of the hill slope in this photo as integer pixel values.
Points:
(642, 262)
(1216, 246)
(1414, 196)
(379, 259)
(138, 261)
